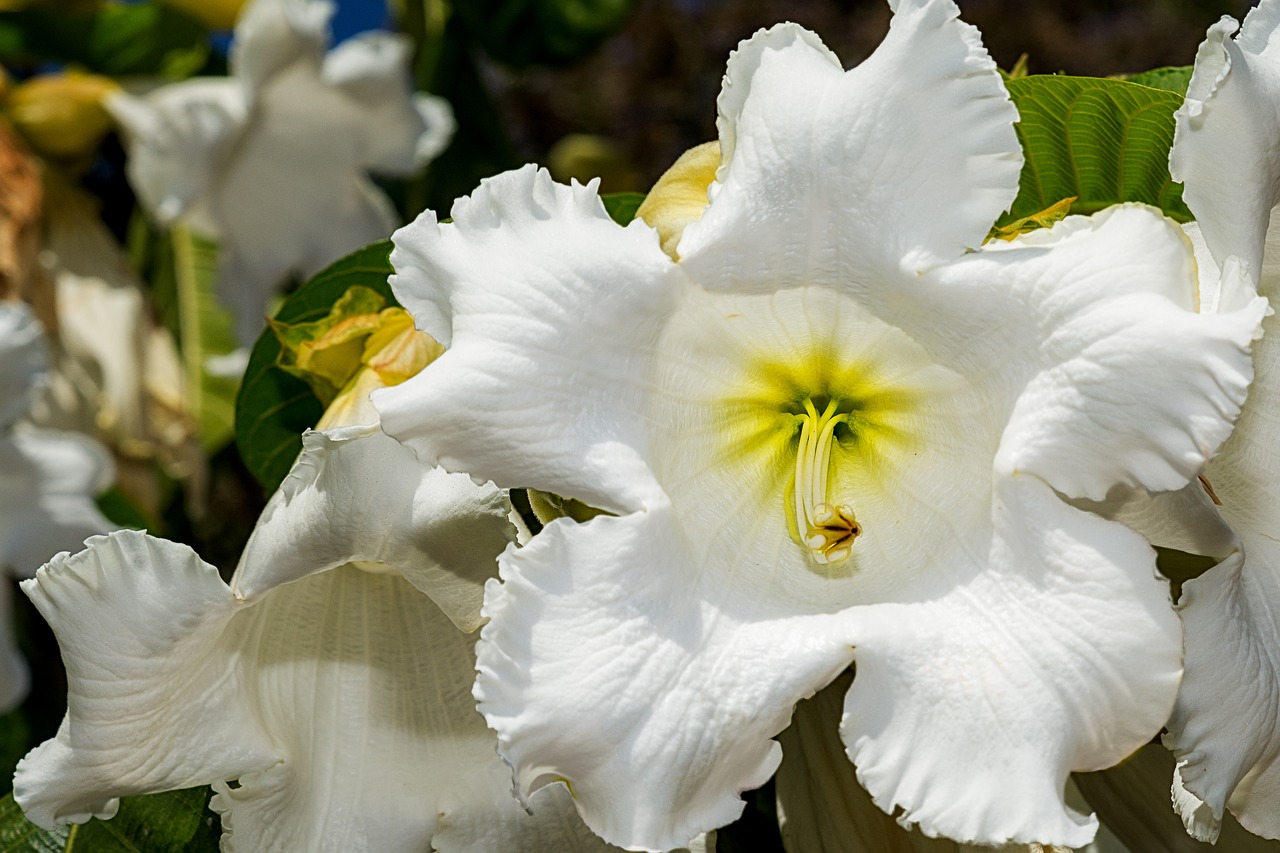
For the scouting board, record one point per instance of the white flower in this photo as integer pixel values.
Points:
(832, 432)
(336, 693)
(272, 161)
(1226, 727)
(47, 482)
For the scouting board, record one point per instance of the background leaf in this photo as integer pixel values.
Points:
(113, 39)
(172, 822)
(1102, 141)
(1172, 78)
(273, 408)
(622, 206)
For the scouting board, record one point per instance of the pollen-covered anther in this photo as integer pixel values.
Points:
(831, 533)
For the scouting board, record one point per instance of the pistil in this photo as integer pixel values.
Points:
(826, 529)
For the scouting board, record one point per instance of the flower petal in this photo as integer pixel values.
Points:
(969, 711)
(47, 484)
(366, 688)
(271, 34)
(513, 288)
(23, 360)
(358, 495)
(1112, 345)
(608, 665)
(176, 136)
(901, 163)
(1224, 147)
(153, 693)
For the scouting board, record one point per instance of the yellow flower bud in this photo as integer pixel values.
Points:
(61, 115)
(680, 195)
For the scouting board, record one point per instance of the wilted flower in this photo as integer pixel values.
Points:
(831, 430)
(273, 161)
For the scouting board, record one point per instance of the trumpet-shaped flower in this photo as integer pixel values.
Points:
(834, 428)
(333, 690)
(1226, 727)
(272, 161)
(47, 481)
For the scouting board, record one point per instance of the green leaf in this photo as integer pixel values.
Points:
(1102, 141)
(121, 511)
(273, 408)
(113, 38)
(622, 206)
(205, 330)
(1173, 78)
(172, 822)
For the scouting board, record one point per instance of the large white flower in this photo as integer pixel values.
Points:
(273, 161)
(1226, 727)
(336, 693)
(48, 480)
(831, 432)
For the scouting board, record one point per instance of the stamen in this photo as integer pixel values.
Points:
(827, 529)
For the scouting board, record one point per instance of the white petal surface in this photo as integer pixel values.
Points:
(177, 137)
(900, 163)
(970, 711)
(512, 286)
(154, 697)
(1227, 141)
(358, 495)
(48, 481)
(271, 34)
(1112, 345)
(23, 360)
(607, 665)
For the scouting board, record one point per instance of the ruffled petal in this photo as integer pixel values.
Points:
(154, 697)
(823, 809)
(968, 712)
(608, 664)
(365, 686)
(177, 136)
(48, 481)
(514, 286)
(23, 360)
(1132, 800)
(900, 163)
(1106, 343)
(357, 495)
(1225, 143)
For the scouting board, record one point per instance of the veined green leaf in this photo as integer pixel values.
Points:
(273, 408)
(1102, 141)
(1173, 78)
(172, 822)
(622, 206)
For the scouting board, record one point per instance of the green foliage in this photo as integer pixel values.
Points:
(273, 408)
(172, 822)
(541, 32)
(1174, 78)
(113, 39)
(622, 206)
(121, 511)
(1101, 141)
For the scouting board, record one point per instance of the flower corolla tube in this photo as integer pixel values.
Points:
(830, 428)
(273, 161)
